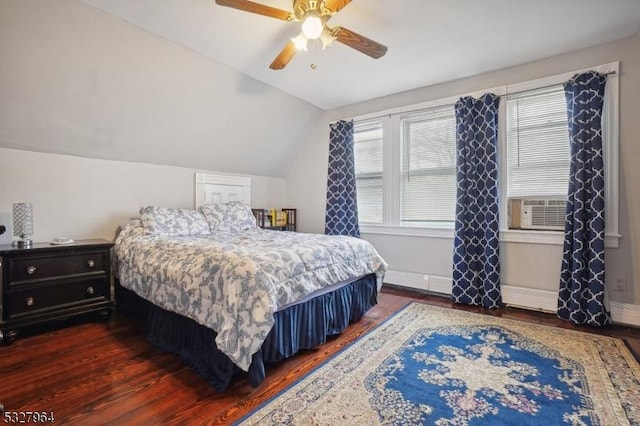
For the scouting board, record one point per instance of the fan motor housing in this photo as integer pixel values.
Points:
(302, 7)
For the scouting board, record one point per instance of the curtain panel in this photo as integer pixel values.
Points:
(341, 217)
(476, 259)
(582, 277)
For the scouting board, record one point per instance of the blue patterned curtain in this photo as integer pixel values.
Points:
(342, 204)
(476, 260)
(581, 296)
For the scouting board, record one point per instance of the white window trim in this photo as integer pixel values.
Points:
(391, 153)
(432, 231)
(506, 236)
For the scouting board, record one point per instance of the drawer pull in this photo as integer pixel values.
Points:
(29, 301)
(91, 263)
(31, 270)
(90, 290)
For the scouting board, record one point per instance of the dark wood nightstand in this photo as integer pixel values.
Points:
(53, 282)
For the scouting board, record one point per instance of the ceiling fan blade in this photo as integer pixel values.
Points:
(336, 5)
(260, 9)
(284, 57)
(359, 42)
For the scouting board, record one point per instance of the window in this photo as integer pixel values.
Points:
(538, 152)
(428, 167)
(368, 163)
(538, 157)
(405, 168)
(405, 161)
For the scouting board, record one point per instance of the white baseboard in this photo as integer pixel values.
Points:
(625, 313)
(407, 279)
(544, 300)
(530, 298)
(521, 297)
(430, 283)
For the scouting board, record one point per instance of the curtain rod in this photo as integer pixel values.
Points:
(373, 116)
(548, 85)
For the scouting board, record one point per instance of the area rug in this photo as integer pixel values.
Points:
(434, 366)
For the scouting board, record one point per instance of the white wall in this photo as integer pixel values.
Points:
(78, 85)
(529, 266)
(76, 80)
(88, 198)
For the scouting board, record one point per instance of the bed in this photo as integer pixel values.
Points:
(227, 296)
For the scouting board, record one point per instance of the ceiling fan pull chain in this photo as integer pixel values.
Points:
(314, 54)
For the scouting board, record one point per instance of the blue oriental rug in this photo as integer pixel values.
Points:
(434, 366)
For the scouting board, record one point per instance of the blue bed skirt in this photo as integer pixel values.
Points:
(302, 326)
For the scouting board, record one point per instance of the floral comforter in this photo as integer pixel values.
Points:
(234, 282)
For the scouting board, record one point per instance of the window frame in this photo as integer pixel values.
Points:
(428, 114)
(392, 146)
(611, 152)
(391, 168)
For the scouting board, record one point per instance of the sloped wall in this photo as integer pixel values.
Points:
(76, 80)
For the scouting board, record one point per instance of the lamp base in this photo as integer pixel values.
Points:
(22, 244)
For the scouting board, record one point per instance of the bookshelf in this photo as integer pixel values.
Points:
(282, 222)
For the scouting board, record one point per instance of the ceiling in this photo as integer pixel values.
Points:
(429, 41)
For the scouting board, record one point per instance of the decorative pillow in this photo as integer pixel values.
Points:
(173, 222)
(232, 216)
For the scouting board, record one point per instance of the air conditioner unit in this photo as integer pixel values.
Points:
(537, 213)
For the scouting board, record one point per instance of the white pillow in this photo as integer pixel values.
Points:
(173, 222)
(232, 216)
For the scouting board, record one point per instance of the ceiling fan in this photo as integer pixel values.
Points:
(314, 15)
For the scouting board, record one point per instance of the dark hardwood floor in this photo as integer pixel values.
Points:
(97, 373)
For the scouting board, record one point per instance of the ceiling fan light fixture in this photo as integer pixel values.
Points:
(300, 41)
(312, 26)
(312, 16)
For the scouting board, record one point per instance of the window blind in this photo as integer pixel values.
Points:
(538, 151)
(428, 171)
(368, 165)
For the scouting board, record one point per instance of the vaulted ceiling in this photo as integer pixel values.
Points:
(429, 41)
(187, 82)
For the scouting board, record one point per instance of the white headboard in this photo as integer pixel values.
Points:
(212, 189)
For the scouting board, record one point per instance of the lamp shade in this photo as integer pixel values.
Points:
(23, 222)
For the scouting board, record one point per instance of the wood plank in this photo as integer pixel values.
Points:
(101, 373)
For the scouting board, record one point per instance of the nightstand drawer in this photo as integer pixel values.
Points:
(59, 265)
(31, 299)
